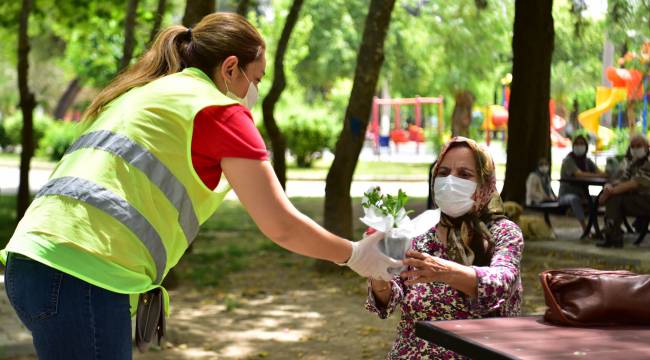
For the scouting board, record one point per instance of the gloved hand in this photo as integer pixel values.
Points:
(368, 261)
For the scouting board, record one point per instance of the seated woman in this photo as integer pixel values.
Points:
(577, 165)
(630, 196)
(467, 266)
(538, 185)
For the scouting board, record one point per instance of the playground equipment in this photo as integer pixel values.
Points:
(496, 117)
(398, 135)
(626, 84)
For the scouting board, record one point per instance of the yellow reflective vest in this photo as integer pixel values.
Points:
(124, 203)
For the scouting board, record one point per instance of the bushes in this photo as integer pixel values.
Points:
(58, 137)
(51, 138)
(13, 127)
(309, 133)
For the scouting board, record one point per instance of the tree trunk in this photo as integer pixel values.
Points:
(67, 99)
(27, 105)
(195, 10)
(242, 8)
(278, 142)
(338, 204)
(528, 124)
(461, 118)
(129, 34)
(157, 20)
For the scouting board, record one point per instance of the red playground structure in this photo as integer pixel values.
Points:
(415, 131)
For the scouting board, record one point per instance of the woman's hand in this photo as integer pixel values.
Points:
(427, 268)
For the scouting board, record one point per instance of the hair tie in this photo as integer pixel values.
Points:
(189, 32)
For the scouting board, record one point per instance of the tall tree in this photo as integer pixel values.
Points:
(157, 20)
(461, 118)
(27, 105)
(195, 10)
(338, 204)
(67, 99)
(278, 142)
(129, 34)
(528, 124)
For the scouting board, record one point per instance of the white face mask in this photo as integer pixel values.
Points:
(453, 195)
(543, 169)
(579, 150)
(638, 152)
(251, 95)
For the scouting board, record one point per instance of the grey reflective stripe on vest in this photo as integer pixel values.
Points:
(151, 166)
(115, 206)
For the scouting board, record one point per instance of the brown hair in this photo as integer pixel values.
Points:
(205, 46)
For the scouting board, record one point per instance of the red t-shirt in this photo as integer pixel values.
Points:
(223, 131)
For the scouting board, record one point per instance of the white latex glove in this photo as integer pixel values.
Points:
(368, 261)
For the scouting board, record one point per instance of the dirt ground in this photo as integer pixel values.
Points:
(278, 308)
(242, 297)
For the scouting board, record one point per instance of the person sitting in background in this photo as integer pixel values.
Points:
(630, 196)
(467, 266)
(577, 165)
(538, 184)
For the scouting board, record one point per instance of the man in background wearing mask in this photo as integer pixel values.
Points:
(630, 196)
(538, 184)
(577, 165)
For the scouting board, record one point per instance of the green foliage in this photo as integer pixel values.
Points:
(13, 126)
(57, 138)
(4, 139)
(387, 204)
(576, 63)
(447, 46)
(437, 139)
(329, 33)
(621, 141)
(627, 21)
(308, 133)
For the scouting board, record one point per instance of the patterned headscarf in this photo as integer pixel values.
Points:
(468, 234)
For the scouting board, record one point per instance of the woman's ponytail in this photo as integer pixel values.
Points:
(205, 46)
(166, 56)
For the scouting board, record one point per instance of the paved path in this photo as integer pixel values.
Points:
(414, 186)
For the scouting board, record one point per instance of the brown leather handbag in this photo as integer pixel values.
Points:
(589, 297)
(149, 319)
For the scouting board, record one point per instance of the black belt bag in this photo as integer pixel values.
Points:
(150, 319)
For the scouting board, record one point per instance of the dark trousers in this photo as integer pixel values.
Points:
(69, 318)
(619, 206)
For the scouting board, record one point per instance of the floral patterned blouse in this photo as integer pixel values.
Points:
(499, 293)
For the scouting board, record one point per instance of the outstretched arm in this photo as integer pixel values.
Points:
(258, 189)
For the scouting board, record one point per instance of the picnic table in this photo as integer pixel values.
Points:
(585, 182)
(531, 338)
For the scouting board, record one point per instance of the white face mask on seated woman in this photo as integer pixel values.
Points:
(453, 195)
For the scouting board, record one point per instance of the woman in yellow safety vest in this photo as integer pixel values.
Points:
(128, 197)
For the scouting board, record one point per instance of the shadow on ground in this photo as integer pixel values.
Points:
(242, 297)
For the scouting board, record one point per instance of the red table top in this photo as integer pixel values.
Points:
(531, 338)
